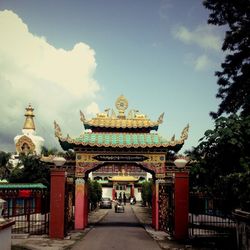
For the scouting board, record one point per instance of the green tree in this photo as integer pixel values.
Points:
(5, 166)
(146, 193)
(68, 155)
(94, 193)
(46, 151)
(221, 162)
(234, 78)
(30, 170)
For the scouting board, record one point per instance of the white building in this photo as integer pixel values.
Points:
(28, 141)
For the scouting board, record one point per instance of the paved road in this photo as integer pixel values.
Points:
(117, 231)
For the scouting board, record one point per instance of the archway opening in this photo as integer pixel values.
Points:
(122, 182)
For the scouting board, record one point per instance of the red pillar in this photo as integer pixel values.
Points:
(113, 193)
(181, 204)
(155, 206)
(132, 190)
(57, 200)
(86, 206)
(80, 203)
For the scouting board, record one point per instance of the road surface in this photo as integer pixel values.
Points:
(117, 231)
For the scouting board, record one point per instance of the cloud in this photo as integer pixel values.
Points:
(202, 63)
(56, 82)
(92, 109)
(203, 36)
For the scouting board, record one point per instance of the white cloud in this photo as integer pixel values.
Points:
(203, 36)
(56, 82)
(202, 63)
(92, 109)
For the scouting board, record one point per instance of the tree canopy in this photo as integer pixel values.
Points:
(234, 78)
(147, 192)
(94, 193)
(222, 160)
(4, 165)
(30, 170)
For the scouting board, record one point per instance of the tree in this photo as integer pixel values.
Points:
(94, 193)
(68, 155)
(234, 78)
(146, 193)
(221, 162)
(30, 170)
(46, 152)
(5, 166)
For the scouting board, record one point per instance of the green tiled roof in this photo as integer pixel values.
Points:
(127, 140)
(22, 185)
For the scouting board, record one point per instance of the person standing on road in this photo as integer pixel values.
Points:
(124, 198)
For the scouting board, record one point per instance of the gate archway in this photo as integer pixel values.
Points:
(117, 138)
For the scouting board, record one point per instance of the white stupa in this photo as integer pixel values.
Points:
(29, 142)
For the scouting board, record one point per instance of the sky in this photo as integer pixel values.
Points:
(65, 56)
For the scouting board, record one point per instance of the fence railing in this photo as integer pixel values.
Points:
(28, 217)
(210, 217)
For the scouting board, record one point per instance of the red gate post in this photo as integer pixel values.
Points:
(132, 190)
(81, 204)
(86, 206)
(155, 206)
(181, 205)
(57, 203)
(113, 193)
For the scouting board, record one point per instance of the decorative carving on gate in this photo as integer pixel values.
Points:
(82, 168)
(165, 207)
(68, 207)
(158, 168)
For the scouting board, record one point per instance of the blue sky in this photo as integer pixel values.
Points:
(63, 56)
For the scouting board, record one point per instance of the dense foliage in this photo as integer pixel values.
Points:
(234, 78)
(30, 170)
(221, 164)
(146, 193)
(94, 193)
(221, 161)
(5, 167)
(68, 155)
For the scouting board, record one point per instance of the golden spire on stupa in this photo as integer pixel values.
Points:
(29, 122)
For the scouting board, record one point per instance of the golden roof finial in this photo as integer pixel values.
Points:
(58, 132)
(29, 122)
(82, 116)
(121, 104)
(184, 133)
(160, 119)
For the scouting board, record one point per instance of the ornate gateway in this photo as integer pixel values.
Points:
(117, 137)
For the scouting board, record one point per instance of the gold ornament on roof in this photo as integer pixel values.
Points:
(160, 119)
(121, 104)
(82, 116)
(58, 132)
(29, 122)
(173, 138)
(111, 119)
(113, 114)
(184, 133)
